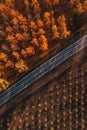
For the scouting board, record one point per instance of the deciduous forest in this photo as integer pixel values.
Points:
(29, 29)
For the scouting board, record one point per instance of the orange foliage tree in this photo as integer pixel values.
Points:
(35, 42)
(30, 50)
(55, 2)
(44, 43)
(34, 2)
(19, 37)
(9, 64)
(41, 31)
(24, 53)
(26, 2)
(10, 3)
(11, 38)
(16, 55)
(44, 46)
(33, 25)
(55, 32)
(62, 27)
(47, 18)
(40, 23)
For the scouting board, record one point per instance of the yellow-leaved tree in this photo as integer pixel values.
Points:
(85, 6)
(3, 84)
(79, 7)
(3, 57)
(21, 66)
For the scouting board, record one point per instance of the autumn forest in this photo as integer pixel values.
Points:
(30, 29)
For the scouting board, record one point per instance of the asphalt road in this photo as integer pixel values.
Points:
(43, 69)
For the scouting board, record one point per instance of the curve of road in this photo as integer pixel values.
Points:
(43, 69)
